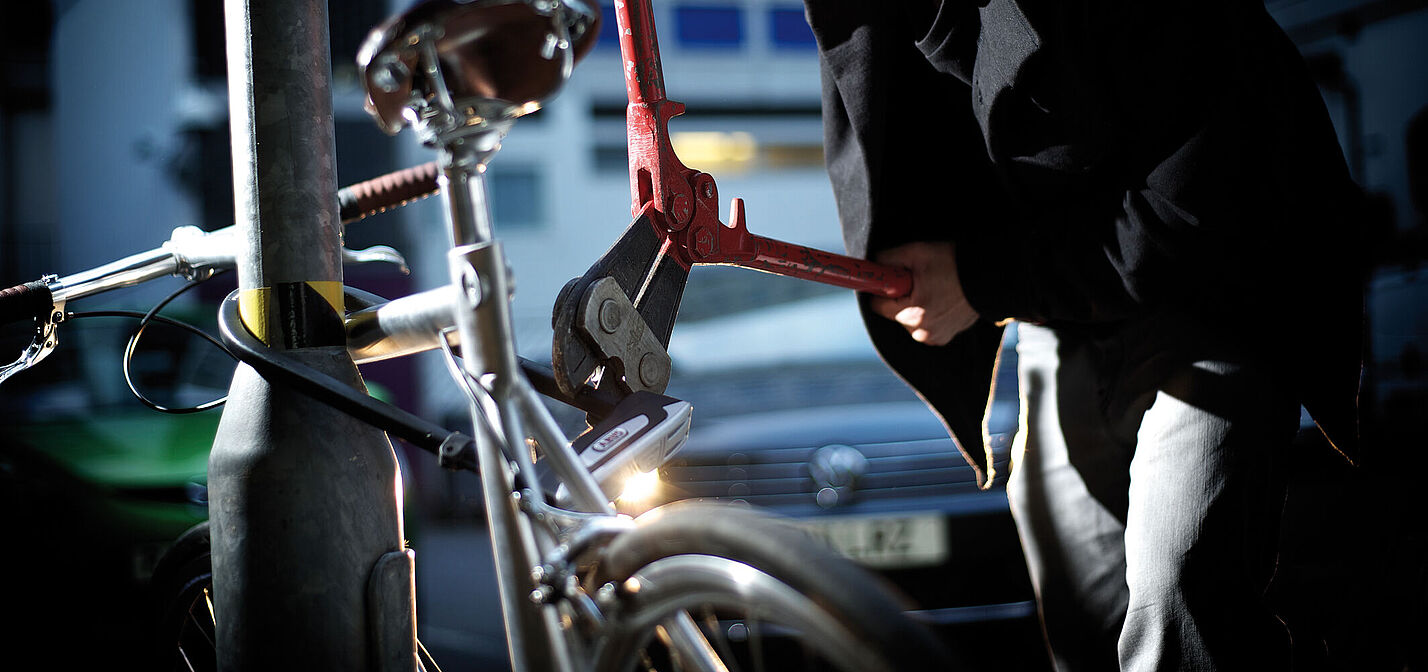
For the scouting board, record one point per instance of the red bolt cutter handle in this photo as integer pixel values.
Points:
(685, 201)
(656, 174)
(832, 269)
(712, 242)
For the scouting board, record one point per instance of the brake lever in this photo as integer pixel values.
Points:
(44, 342)
(376, 253)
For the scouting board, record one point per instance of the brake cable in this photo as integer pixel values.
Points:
(132, 346)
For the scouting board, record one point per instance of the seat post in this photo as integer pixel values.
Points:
(463, 188)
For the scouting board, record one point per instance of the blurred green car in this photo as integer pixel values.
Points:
(94, 486)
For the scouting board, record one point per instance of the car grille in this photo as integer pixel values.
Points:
(777, 477)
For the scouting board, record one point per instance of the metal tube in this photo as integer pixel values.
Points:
(585, 491)
(483, 317)
(475, 270)
(463, 188)
(304, 500)
(127, 272)
(403, 326)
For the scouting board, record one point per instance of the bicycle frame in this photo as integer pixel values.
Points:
(505, 409)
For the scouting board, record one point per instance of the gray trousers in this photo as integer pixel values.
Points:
(1147, 486)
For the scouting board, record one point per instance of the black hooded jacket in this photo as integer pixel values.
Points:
(1096, 162)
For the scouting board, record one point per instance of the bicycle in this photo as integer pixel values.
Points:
(686, 586)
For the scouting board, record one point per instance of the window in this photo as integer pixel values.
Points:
(789, 29)
(609, 29)
(709, 26)
(516, 197)
(612, 158)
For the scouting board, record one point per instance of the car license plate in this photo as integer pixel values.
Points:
(884, 542)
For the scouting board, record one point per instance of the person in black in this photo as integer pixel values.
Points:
(1155, 194)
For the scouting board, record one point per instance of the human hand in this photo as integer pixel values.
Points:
(936, 310)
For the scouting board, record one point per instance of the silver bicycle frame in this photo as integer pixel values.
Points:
(507, 413)
(466, 128)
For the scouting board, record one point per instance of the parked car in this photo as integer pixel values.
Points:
(94, 487)
(840, 445)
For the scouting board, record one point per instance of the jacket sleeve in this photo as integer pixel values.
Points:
(907, 163)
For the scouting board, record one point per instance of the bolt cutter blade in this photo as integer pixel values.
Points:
(650, 279)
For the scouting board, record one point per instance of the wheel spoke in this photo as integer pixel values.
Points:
(428, 664)
(196, 636)
(756, 641)
(208, 602)
(187, 663)
(203, 621)
(721, 639)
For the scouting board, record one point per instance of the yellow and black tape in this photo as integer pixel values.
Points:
(294, 314)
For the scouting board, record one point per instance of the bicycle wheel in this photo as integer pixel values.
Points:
(764, 594)
(183, 633)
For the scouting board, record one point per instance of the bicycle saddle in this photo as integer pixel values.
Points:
(477, 60)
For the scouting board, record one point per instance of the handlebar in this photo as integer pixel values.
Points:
(195, 254)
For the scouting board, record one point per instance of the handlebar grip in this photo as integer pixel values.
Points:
(31, 300)
(391, 190)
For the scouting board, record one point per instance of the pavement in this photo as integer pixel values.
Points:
(460, 612)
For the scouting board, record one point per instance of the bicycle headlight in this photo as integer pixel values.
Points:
(639, 492)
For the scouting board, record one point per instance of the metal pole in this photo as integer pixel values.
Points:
(309, 569)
